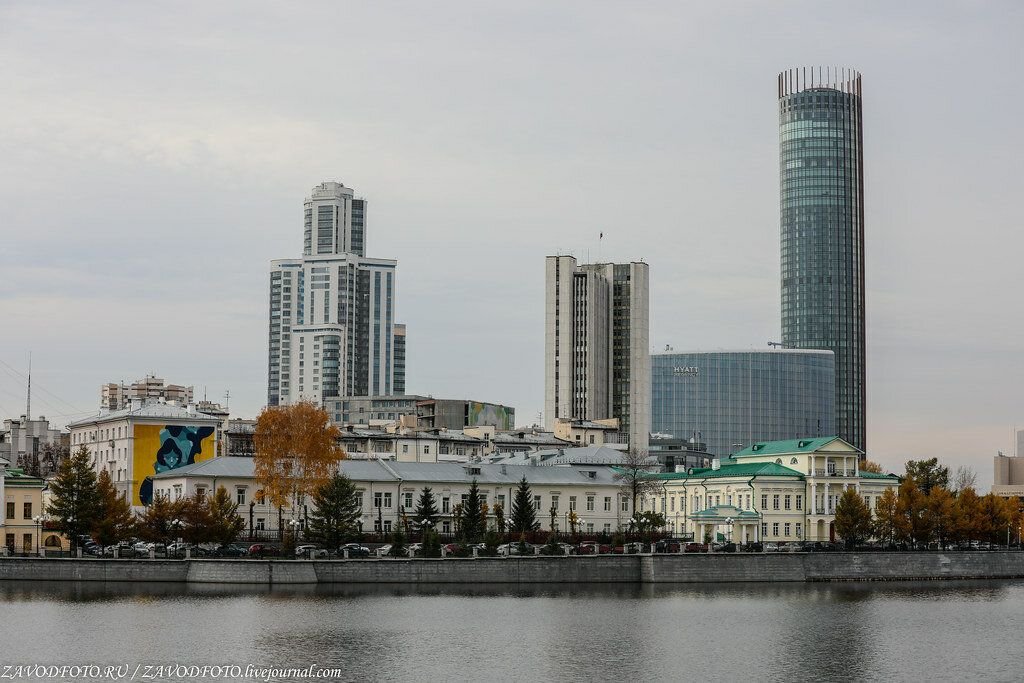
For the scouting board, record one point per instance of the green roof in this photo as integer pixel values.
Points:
(787, 447)
(743, 469)
(877, 475)
(718, 511)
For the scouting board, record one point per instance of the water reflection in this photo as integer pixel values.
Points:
(863, 631)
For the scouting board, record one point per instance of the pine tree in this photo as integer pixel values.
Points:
(473, 515)
(398, 547)
(75, 497)
(426, 509)
(225, 524)
(161, 520)
(431, 543)
(336, 515)
(853, 519)
(114, 520)
(524, 517)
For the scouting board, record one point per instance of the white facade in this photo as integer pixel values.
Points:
(332, 312)
(596, 351)
(389, 489)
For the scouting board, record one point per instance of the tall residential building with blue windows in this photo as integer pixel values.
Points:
(729, 400)
(821, 170)
(332, 325)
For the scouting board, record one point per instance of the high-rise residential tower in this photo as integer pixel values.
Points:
(821, 200)
(597, 362)
(332, 327)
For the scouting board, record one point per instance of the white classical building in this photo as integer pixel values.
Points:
(389, 489)
(781, 491)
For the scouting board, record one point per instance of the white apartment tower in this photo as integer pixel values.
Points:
(332, 323)
(596, 358)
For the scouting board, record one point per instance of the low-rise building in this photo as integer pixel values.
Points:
(781, 491)
(389, 490)
(591, 432)
(23, 514)
(137, 443)
(119, 396)
(30, 443)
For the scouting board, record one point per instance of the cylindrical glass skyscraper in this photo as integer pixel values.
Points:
(821, 196)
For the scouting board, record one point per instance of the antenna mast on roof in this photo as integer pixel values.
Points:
(28, 394)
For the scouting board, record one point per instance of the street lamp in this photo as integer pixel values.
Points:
(39, 530)
(729, 523)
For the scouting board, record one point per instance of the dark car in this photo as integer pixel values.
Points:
(263, 550)
(229, 551)
(725, 547)
(696, 548)
(667, 545)
(753, 548)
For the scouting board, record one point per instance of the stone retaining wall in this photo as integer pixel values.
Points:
(693, 568)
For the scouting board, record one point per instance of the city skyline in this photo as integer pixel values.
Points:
(143, 176)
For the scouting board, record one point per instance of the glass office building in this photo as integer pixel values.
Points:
(730, 400)
(822, 228)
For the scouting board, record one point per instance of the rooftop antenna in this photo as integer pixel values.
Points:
(777, 345)
(227, 397)
(600, 240)
(28, 395)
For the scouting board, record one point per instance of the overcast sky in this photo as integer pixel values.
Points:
(154, 159)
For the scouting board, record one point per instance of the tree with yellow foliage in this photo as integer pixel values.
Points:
(297, 452)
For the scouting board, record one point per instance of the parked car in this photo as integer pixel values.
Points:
(229, 551)
(753, 548)
(263, 550)
(724, 547)
(695, 548)
(509, 549)
(354, 550)
(771, 547)
(383, 551)
(310, 552)
(593, 549)
(667, 545)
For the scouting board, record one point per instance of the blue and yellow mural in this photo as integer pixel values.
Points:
(159, 448)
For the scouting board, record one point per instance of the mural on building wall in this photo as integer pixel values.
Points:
(482, 414)
(159, 448)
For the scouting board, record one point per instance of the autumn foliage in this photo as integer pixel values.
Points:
(297, 451)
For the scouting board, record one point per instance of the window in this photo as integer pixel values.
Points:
(799, 529)
(775, 502)
(426, 450)
(387, 499)
(748, 501)
(200, 492)
(378, 500)
(799, 503)
(408, 500)
(27, 510)
(501, 501)
(867, 501)
(10, 509)
(607, 503)
(787, 502)
(405, 448)
(554, 501)
(607, 528)
(785, 529)
(775, 528)
(764, 501)
(572, 502)
(240, 496)
(625, 504)
(446, 527)
(260, 524)
(387, 526)
(671, 504)
(764, 529)
(446, 505)
(536, 502)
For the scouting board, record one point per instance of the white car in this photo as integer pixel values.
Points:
(311, 551)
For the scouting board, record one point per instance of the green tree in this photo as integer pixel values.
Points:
(426, 509)
(114, 519)
(398, 546)
(886, 517)
(551, 547)
(161, 520)
(225, 524)
(524, 516)
(928, 474)
(492, 539)
(194, 518)
(74, 496)
(853, 519)
(336, 513)
(431, 543)
(648, 522)
(473, 520)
